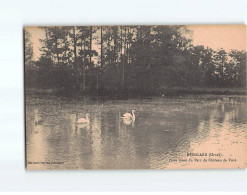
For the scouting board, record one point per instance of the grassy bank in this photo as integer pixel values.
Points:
(214, 91)
(143, 93)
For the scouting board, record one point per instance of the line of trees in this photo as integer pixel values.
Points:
(128, 59)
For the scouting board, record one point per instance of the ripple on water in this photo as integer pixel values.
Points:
(164, 129)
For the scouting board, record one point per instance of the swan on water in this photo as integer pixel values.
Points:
(84, 120)
(129, 116)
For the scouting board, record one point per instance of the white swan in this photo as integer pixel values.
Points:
(128, 116)
(84, 120)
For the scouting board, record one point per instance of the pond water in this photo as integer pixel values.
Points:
(164, 132)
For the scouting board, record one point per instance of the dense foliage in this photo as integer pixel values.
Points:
(129, 59)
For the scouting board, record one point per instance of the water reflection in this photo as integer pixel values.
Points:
(164, 128)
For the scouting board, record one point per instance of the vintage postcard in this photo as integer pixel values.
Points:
(135, 97)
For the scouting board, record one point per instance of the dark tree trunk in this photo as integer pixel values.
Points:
(74, 44)
(75, 58)
(57, 49)
(83, 64)
(101, 57)
(123, 58)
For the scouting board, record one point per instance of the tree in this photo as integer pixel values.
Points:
(30, 68)
(28, 48)
(131, 59)
(220, 61)
(238, 67)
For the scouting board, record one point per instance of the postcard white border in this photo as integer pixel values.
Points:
(15, 14)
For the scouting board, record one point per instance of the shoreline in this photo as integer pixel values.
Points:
(165, 92)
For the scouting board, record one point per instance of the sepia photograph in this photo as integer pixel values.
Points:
(135, 97)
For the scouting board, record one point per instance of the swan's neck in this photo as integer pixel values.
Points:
(87, 118)
(133, 115)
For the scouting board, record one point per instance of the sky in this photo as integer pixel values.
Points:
(220, 36)
(214, 36)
